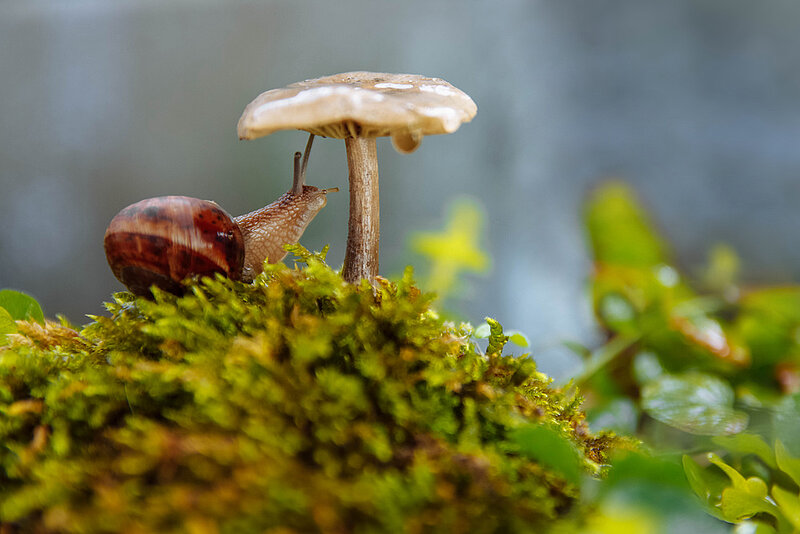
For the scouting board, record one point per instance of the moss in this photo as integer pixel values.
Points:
(298, 404)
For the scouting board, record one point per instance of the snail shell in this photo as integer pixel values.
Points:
(161, 241)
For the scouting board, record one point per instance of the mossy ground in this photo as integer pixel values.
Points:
(296, 404)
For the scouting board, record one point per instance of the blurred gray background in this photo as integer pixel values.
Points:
(694, 102)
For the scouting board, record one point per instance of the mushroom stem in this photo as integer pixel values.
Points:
(363, 233)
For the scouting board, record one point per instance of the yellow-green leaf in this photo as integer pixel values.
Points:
(619, 230)
(748, 444)
(739, 504)
(455, 249)
(7, 325)
(746, 497)
(21, 306)
(789, 503)
(518, 338)
(787, 463)
(705, 484)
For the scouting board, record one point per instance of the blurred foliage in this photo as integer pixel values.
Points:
(7, 325)
(17, 306)
(299, 403)
(680, 346)
(453, 251)
(21, 306)
(757, 486)
(695, 402)
(646, 493)
(689, 366)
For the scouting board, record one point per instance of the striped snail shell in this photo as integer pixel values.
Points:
(161, 241)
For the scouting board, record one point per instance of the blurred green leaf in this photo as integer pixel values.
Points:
(21, 306)
(629, 466)
(550, 448)
(518, 338)
(746, 497)
(781, 302)
(789, 504)
(483, 331)
(748, 444)
(769, 323)
(619, 230)
(697, 403)
(743, 502)
(740, 498)
(723, 268)
(658, 485)
(785, 423)
(455, 249)
(787, 463)
(707, 484)
(7, 325)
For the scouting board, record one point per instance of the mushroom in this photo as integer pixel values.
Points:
(359, 107)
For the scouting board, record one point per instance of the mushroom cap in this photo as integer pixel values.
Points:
(361, 104)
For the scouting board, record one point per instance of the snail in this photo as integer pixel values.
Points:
(161, 241)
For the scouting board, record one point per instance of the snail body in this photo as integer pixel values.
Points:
(161, 241)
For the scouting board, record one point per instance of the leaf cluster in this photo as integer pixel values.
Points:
(697, 356)
(767, 499)
(689, 366)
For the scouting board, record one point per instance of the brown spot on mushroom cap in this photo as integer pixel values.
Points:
(361, 104)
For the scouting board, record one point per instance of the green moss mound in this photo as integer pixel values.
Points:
(296, 404)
